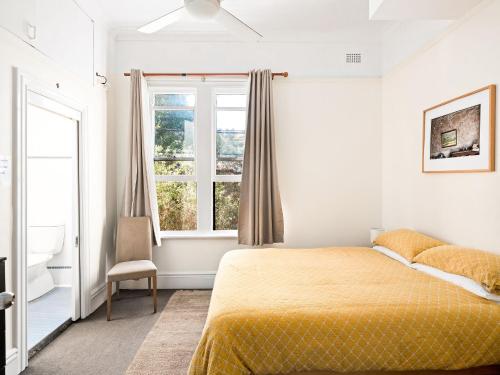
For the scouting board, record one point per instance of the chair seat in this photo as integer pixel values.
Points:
(132, 270)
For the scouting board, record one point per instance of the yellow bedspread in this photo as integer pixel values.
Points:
(276, 311)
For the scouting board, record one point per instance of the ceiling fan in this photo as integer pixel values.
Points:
(203, 10)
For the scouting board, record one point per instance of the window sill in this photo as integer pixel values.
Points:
(198, 235)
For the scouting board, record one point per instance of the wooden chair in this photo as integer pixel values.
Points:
(133, 256)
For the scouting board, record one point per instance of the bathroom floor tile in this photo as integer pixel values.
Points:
(47, 313)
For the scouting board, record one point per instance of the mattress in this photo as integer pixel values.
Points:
(276, 311)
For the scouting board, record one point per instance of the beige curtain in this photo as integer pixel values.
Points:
(140, 188)
(261, 216)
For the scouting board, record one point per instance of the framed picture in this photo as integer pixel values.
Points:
(449, 138)
(459, 134)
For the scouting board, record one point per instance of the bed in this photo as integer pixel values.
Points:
(348, 310)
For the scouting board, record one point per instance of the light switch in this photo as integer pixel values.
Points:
(5, 170)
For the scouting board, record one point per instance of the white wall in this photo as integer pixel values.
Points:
(16, 53)
(299, 59)
(460, 208)
(328, 146)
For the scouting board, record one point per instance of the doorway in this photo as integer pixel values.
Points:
(51, 224)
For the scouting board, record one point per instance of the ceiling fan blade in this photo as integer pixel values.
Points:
(236, 25)
(163, 21)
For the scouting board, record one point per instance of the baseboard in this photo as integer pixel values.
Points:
(97, 297)
(176, 280)
(12, 362)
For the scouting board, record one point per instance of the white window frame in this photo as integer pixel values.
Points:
(154, 108)
(204, 147)
(215, 177)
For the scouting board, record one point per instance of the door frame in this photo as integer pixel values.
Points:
(23, 82)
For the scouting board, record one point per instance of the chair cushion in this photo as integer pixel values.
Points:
(132, 270)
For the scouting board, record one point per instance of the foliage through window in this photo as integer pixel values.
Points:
(174, 159)
(230, 145)
(199, 144)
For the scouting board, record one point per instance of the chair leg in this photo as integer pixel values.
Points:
(110, 291)
(149, 286)
(155, 299)
(117, 290)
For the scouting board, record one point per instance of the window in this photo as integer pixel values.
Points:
(174, 160)
(198, 156)
(230, 124)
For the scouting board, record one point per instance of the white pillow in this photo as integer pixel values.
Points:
(461, 281)
(392, 254)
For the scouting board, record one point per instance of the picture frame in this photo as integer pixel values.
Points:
(449, 138)
(458, 135)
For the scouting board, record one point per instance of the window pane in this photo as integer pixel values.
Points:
(174, 168)
(226, 205)
(230, 142)
(174, 137)
(232, 100)
(231, 120)
(177, 205)
(177, 100)
(229, 167)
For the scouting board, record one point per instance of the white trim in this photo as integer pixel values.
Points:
(157, 83)
(185, 280)
(97, 297)
(24, 83)
(227, 178)
(177, 280)
(204, 148)
(175, 178)
(171, 107)
(47, 104)
(198, 234)
(161, 89)
(230, 109)
(12, 362)
(19, 221)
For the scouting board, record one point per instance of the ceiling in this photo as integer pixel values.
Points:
(343, 21)
(395, 28)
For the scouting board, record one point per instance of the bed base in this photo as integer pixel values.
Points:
(484, 370)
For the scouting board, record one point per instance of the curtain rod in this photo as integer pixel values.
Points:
(281, 74)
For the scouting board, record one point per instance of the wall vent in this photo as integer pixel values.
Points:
(353, 58)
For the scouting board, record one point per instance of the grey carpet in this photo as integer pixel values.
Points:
(169, 346)
(96, 346)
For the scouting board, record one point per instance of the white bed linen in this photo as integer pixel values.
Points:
(458, 280)
(392, 254)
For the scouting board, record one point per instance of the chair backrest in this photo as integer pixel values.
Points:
(133, 239)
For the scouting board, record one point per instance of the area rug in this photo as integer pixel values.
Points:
(170, 344)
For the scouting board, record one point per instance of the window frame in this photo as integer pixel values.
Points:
(214, 176)
(205, 127)
(154, 108)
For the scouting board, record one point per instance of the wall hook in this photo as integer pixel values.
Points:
(103, 77)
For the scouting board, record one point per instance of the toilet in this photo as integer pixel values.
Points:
(43, 242)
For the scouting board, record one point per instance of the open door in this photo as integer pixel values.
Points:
(52, 227)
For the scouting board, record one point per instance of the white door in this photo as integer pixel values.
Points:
(52, 190)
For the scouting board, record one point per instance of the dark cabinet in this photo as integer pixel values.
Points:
(6, 301)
